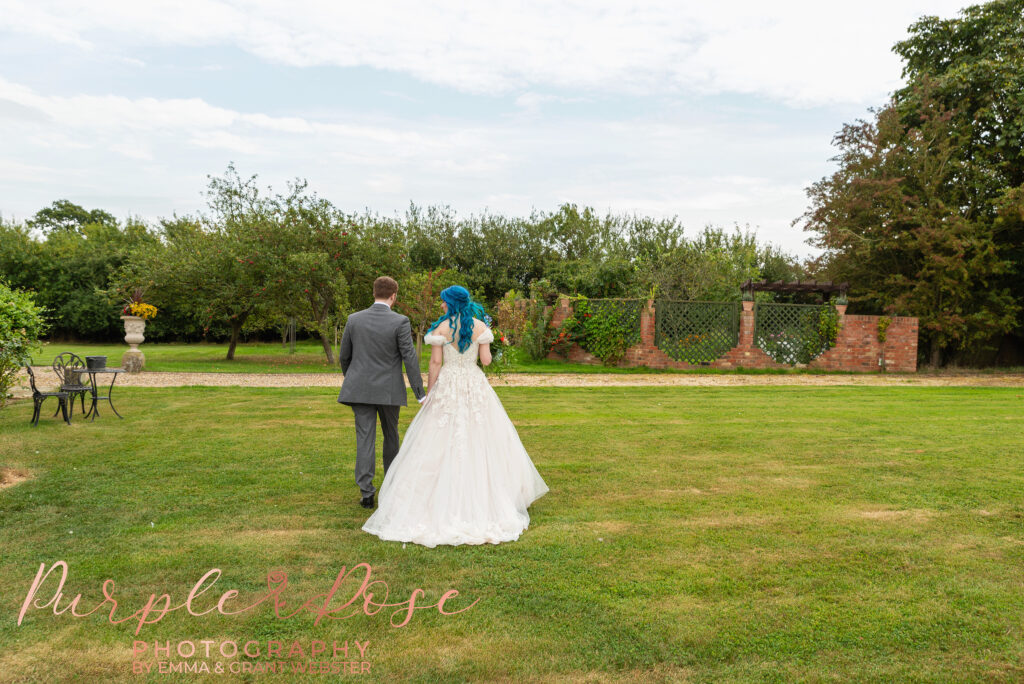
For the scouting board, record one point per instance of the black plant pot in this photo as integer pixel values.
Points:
(95, 362)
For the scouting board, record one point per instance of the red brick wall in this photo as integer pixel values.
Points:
(857, 347)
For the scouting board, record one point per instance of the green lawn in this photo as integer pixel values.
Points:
(701, 534)
(272, 357)
(258, 357)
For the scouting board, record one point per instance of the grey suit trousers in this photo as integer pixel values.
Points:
(366, 441)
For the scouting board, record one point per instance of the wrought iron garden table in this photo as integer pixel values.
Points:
(96, 398)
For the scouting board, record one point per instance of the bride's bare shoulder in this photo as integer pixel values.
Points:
(443, 331)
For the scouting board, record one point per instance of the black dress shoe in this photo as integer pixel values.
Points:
(367, 501)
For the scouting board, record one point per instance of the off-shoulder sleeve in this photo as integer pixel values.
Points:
(434, 339)
(486, 337)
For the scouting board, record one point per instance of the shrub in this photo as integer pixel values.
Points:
(883, 327)
(828, 332)
(21, 326)
(565, 336)
(606, 328)
(537, 334)
(512, 316)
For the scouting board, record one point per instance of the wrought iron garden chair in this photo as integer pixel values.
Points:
(39, 397)
(69, 369)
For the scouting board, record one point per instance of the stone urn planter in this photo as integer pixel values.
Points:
(133, 360)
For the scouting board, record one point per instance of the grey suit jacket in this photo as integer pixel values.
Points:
(374, 345)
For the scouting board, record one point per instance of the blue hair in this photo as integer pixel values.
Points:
(462, 307)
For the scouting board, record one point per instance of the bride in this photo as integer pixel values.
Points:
(461, 475)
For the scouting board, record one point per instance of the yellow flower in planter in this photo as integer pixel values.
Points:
(142, 310)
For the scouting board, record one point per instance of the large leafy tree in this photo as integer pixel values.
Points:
(64, 215)
(375, 246)
(309, 280)
(255, 258)
(495, 253)
(610, 276)
(22, 255)
(217, 264)
(893, 223)
(973, 65)
(922, 216)
(170, 272)
(234, 273)
(713, 264)
(68, 256)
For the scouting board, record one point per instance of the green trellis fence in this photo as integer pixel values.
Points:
(793, 333)
(699, 333)
(696, 332)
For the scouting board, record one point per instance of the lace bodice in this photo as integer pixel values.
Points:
(462, 387)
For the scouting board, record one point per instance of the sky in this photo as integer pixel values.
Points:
(718, 113)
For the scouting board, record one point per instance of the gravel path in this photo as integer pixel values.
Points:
(47, 379)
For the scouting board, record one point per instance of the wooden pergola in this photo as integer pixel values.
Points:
(825, 286)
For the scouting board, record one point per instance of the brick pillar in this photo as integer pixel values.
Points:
(746, 340)
(647, 325)
(562, 311)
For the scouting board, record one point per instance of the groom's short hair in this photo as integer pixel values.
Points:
(384, 287)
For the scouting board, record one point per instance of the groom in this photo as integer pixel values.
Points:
(375, 343)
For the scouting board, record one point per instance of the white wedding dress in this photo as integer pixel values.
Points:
(461, 475)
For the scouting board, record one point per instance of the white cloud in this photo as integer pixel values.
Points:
(15, 171)
(133, 149)
(222, 140)
(803, 53)
(111, 116)
(149, 155)
(531, 103)
(122, 148)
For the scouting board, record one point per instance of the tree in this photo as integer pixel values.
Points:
(419, 299)
(309, 280)
(63, 215)
(894, 224)
(255, 258)
(376, 247)
(974, 67)
(712, 266)
(495, 253)
(70, 268)
(973, 64)
(21, 255)
(647, 239)
(218, 264)
(919, 215)
(611, 276)
(574, 234)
